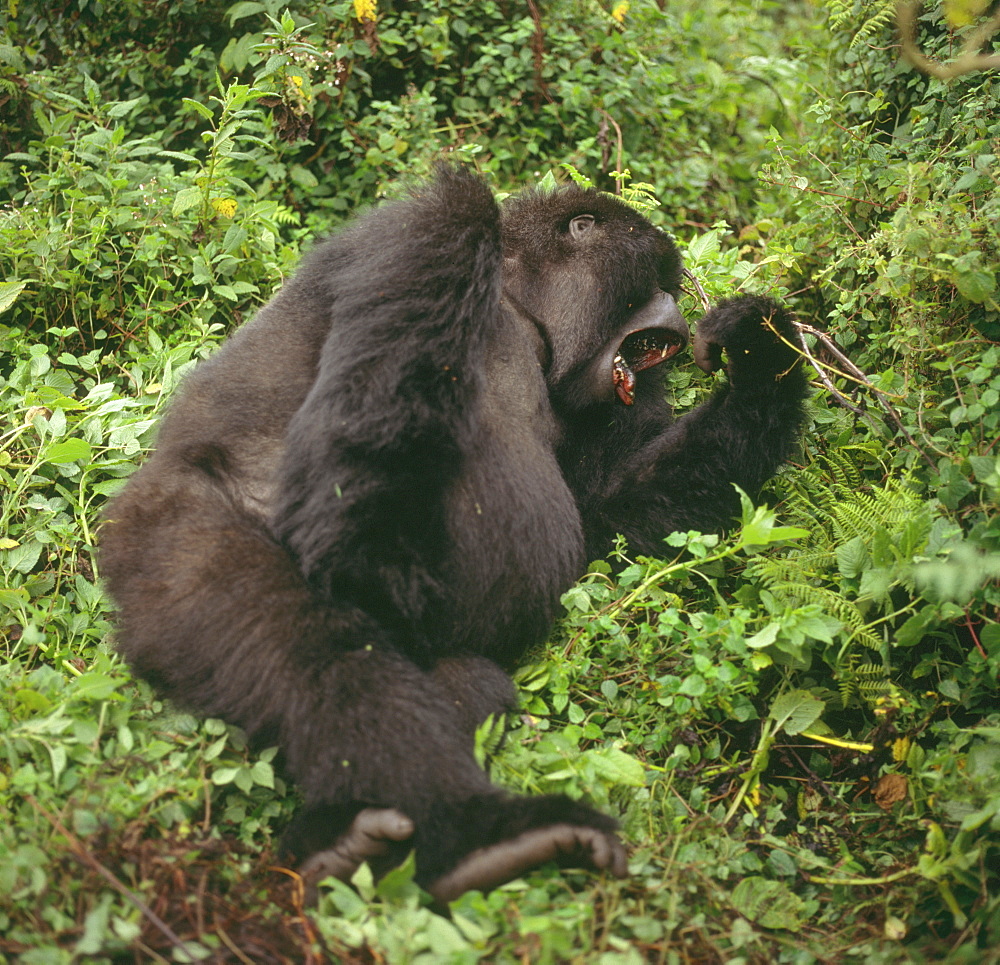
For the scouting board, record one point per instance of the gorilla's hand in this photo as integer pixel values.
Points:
(757, 335)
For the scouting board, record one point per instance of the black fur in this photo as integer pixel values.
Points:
(370, 500)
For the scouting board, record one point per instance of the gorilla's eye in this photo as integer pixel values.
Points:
(580, 225)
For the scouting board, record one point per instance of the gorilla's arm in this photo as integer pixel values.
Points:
(644, 475)
(369, 456)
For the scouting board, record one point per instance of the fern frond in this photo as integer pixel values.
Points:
(875, 14)
(829, 601)
(868, 681)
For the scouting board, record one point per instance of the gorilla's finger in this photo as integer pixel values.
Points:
(497, 864)
(367, 837)
(707, 355)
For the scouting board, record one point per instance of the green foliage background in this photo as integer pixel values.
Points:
(798, 724)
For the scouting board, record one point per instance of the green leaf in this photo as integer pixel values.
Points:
(180, 156)
(186, 199)
(96, 686)
(703, 247)
(121, 108)
(796, 711)
(617, 767)
(548, 182)
(69, 450)
(224, 775)
(577, 598)
(193, 105)
(765, 637)
(9, 291)
(771, 904)
(246, 8)
(977, 286)
(22, 559)
(852, 558)
(13, 599)
(262, 774)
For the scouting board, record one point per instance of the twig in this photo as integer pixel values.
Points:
(689, 275)
(974, 635)
(621, 146)
(855, 373)
(230, 944)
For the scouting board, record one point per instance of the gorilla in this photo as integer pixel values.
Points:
(364, 508)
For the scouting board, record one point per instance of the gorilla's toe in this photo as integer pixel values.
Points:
(370, 835)
(567, 844)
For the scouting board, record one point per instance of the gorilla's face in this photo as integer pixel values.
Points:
(598, 281)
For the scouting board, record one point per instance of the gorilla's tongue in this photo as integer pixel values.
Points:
(640, 351)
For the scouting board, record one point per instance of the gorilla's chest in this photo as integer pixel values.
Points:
(514, 529)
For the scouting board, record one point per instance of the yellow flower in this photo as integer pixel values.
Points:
(961, 13)
(619, 11)
(224, 206)
(365, 10)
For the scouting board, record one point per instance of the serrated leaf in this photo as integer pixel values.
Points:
(796, 711)
(205, 112)
(226, 292)
(977, 286)
(186, 199)
(121, 108)
(13, 599)
(179, 156)
(23, 558)
(548, 182)
(852, 558)
(703, 247)
(9, 292)
(771, 904)
(617, 767)
(69, 450)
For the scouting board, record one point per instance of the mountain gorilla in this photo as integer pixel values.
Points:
(365, 507)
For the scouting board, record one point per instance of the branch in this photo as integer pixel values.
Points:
(854, 373)
(969, 59)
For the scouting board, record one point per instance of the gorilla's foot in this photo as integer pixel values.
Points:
(370, 835)
(569, 845)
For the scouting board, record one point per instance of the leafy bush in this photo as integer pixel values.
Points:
(797, 723)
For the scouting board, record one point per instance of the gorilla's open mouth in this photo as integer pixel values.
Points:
(640, 351)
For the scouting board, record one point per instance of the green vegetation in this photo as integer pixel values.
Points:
(799, 724)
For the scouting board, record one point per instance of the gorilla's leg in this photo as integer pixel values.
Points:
(217, 615)
(477, 688)
(375, 833)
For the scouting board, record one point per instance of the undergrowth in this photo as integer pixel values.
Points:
(797, 723)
